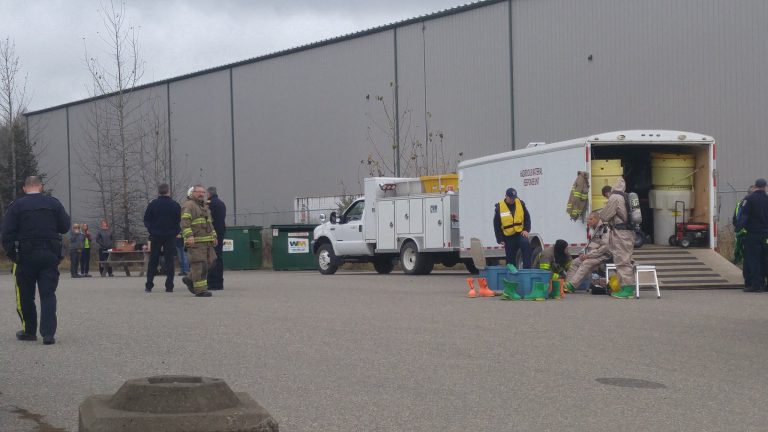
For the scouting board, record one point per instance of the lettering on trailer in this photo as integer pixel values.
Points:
(531, 176)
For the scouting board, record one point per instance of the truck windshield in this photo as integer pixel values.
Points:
(355, 211)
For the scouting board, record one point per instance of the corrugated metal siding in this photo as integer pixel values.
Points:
(410, 76)
(689, 64)
(467, 70)
(201, 133)
(48, 135)
(301, 118)
(301, 124)
(143, 109)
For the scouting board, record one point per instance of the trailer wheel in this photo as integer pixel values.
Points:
(326, 260)
(383, 265)
(414, 262)
(535, 257)
(685, 242)
(673, 240)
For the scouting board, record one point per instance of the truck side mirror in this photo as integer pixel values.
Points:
(333, 217)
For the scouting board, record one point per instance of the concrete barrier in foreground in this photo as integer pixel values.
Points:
(174, 403)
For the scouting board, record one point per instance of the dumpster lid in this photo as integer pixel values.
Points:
(253, 227)
(287, 227)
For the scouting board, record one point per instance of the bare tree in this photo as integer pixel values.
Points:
(114, 153)
(411, 155)
(12, 101)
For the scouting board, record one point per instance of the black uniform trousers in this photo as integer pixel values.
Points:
(39, 267)
(216, 272)
(755, 260)
(166, 245)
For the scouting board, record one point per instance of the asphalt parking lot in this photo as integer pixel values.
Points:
(368, 352)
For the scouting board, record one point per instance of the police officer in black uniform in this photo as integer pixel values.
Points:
(754, 218)
(31, 237)
(218, 214)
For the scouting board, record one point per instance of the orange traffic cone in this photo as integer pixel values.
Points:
(472, 293)
(484, 291)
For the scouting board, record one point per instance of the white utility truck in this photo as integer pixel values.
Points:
(395, 219)
(672, 172)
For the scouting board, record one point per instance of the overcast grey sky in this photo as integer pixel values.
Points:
(180, 36)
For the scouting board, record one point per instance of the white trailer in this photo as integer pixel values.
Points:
(396, 219)
(544, 173)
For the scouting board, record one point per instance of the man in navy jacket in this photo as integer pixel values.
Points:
(219, 214)
(162, 219)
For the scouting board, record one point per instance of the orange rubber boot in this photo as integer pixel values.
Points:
(472, 293)
(484, 291)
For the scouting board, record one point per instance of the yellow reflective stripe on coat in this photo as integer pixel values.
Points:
(186, 215)
(511, 224)
(199, 221)
(544, 266)
(203, 239)
(201, 283)
(18, 298)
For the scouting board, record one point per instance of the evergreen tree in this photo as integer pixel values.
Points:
(26, 161)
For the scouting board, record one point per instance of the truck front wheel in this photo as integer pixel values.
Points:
(326, 259)
(414, 262)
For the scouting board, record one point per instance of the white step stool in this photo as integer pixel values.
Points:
(651, 269)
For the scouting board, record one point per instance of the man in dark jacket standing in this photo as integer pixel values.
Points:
(511, 223)
(754, 218)
(162, 219)
(218, 214)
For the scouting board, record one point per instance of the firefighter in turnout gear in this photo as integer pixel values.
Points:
(622, 238)
(556, 259)
(595, 254)
(200, 239)
(511, 224)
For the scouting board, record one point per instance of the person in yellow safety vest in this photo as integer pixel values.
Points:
(511, 224)
(595, 254)
(556, 259)
(200, 239)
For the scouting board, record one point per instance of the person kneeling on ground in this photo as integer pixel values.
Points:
(595, 254)
(556, 259)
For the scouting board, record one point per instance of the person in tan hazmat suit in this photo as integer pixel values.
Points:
(621, 243)
(595, 254)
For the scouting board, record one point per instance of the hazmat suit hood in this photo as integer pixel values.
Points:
(561, 252)
(620, 185)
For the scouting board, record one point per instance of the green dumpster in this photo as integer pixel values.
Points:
(292, 247)
(242, 248)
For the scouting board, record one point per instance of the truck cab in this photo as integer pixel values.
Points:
(341, 236)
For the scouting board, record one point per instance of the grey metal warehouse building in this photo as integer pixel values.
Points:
(493, 76)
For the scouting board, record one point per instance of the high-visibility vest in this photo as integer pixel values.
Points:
(511, 224)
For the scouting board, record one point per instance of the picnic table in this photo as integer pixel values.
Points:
(125, 259)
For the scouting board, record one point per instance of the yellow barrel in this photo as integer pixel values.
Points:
(598, 202)
(672, 171)
(440, 183)
(605, 172)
